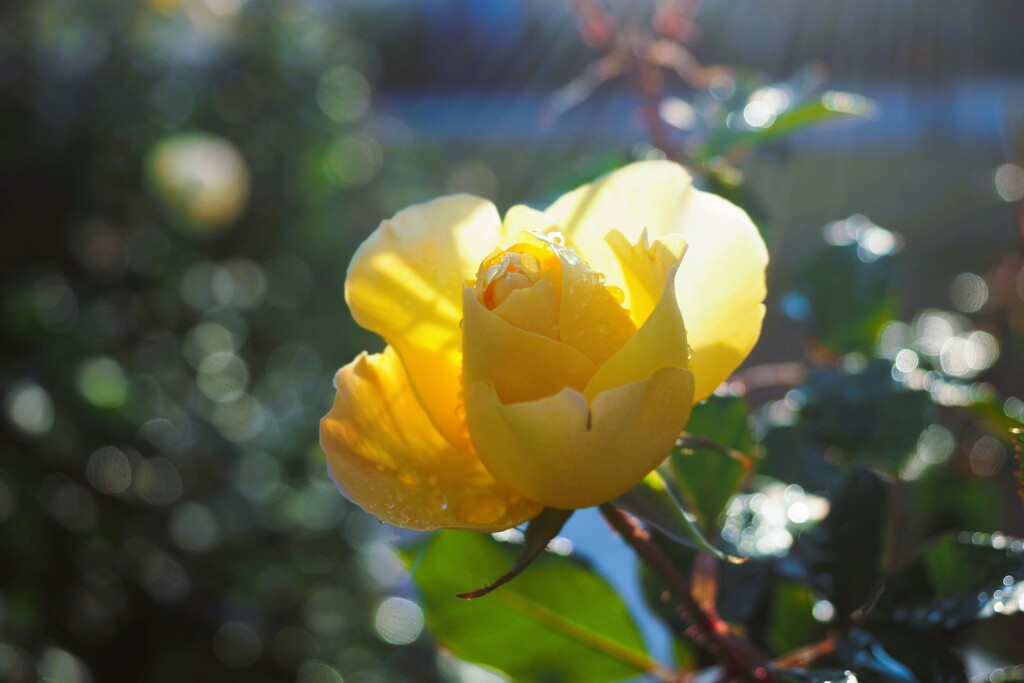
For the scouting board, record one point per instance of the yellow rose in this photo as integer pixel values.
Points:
(541, 360)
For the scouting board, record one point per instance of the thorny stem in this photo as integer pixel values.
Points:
(739, 656)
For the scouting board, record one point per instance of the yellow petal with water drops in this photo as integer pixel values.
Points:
(520, 365)
(721, 284)
(405, 283)
(564, 454)
(660, 342)
(646, 196)
(386, 456)
(591, 317)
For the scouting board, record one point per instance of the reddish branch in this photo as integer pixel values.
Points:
(735, 652)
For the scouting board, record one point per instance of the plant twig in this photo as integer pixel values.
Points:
(803, 657)
(734, 651)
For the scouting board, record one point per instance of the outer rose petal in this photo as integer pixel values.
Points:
(387, 457)
(721, 285)
(405, 283)
(558, 451)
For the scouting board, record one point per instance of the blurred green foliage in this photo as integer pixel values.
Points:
(182, 185)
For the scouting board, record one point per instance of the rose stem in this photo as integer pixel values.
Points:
(734, 651)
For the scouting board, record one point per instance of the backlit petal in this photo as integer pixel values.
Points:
(387, 457)
(660, 342)
(721, 284)
(405, 283)
(557, 451)
(521, 218)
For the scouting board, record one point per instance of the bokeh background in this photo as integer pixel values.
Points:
(183, 182)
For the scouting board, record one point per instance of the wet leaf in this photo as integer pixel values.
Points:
(954, 581)
(867, 414)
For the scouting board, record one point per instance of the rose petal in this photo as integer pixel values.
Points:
(644, 267)
(405, 283)
(591, 320)
(534, 309)
(557, 451)
(386, 456)
(721, 285)
(660, 342)
(521, 365)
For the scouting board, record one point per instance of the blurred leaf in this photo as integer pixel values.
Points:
(861, 652)
(727, 141)
(929, 658)
(1017, 435)
(956, 580)
(652, 501)
(791, 624)
(843, 301)
(1006, 674)
(949, 500)
(539, 532)
(744, 590)
(791, 456)
(706, 475)
(844, 552)
(867, 414)
(559, 621)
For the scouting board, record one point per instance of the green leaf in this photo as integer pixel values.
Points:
(558, 621)
(652, 501)
(843, 553)
(867, 414)
(829, 107)
(792, 456)
(539, 532)
(954, 581)
(928, 657)
(791, 624)
(841, 301)
(709, 470)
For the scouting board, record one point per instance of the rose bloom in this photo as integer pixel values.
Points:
(550, 359)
